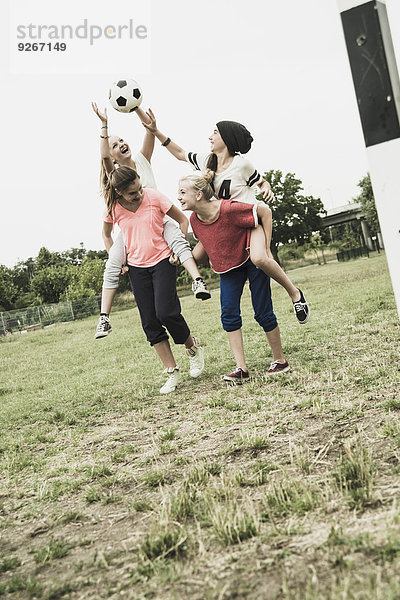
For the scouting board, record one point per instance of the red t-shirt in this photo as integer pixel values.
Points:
(142, 231)
(227, 239)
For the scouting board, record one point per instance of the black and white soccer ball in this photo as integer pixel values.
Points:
(125, 95)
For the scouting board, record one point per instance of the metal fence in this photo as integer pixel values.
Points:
(353, 253)
(43, 315)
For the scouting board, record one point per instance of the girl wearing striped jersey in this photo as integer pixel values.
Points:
(115, 151)
(235, 178)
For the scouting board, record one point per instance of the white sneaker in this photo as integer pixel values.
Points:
(200, 290)
(196, 358)
(103, 327)
(174, 379)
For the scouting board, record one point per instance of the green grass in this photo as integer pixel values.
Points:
(284, 488)
(289, 498)
(55, 549)
(164, 540)
(9, 563)
(232, 523)
(354, 475)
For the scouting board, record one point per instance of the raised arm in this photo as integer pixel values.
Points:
(147, 148)
(151, 126)
(104, 145)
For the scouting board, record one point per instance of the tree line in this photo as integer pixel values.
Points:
(51, 276)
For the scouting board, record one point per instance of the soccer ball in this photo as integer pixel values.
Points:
(125, 95)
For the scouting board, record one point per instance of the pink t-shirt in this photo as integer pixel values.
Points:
(227, 239)
(142, 231)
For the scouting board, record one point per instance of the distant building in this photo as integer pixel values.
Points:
(347, 213)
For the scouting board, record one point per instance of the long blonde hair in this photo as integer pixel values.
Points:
(103, 178)
(103, 174)
(202, 182)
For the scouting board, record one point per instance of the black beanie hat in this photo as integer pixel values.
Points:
(235, 136)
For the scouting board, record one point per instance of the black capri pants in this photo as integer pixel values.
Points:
(154, 289)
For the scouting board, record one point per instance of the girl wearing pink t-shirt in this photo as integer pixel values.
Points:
(115, 151)
(139, 213)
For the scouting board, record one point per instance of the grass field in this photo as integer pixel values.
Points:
(280, 489)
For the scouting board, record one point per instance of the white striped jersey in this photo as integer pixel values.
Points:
(237, 182)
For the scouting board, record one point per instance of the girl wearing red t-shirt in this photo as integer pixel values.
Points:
(223, 229)
(139, 213)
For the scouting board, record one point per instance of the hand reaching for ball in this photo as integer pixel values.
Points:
(102, 116)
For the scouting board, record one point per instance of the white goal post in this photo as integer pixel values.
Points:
(377, 86)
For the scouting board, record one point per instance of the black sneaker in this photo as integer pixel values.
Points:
(301, 309)
(238, 376)
(103, 327)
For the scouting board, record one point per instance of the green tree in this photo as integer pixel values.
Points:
(346, 236)
(295, 217)
(92, 254)
(367, 201)
(317, 244)
(21, 276)
(22, 273)
(50, 283)
(86, 279)
(45, 259)
(75, 256)
(8, 290)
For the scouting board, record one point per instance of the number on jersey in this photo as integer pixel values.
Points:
(225, 190)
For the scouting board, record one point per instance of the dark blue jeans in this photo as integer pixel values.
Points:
(231, 289)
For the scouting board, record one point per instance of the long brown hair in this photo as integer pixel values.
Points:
(212, 163)
(117, 181)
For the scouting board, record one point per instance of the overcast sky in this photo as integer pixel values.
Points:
(280, 68)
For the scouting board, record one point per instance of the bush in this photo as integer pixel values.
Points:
(25, 300)
(291, 251)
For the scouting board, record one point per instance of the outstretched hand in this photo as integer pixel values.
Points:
(102, 116)
(151, 125)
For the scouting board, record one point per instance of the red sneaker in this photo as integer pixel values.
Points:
(276, 367)
(238, 376)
